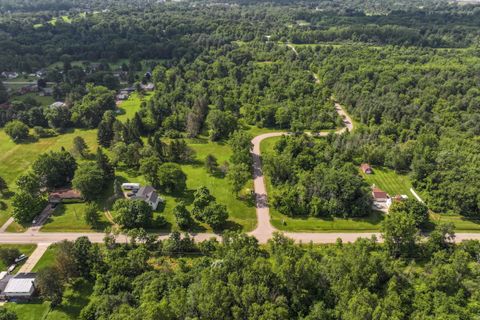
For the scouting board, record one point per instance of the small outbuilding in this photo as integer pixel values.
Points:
(20, 287)
(149, 195)
(57, 104)
(379, 195)
(366, 168)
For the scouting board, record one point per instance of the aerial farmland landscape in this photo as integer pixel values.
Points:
(239, 159)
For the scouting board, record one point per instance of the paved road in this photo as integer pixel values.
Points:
(6, 224)
(34, 257)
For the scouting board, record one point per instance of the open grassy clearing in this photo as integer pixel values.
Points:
(389, 181)
(282, 222)
(462, 224)
(132, 105)
(242, 211)
(26, 249)
(44, 101)
(47, 260)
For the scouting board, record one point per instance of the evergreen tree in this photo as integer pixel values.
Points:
(182, 216)
(211, 164)
(80, 147)
(105, 133)
(105, 165)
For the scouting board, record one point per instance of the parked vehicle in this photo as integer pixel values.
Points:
(20, 258)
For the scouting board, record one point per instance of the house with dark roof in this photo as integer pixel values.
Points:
(149, 195)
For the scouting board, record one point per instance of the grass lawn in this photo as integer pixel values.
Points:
(47, 260)
(44, 101)
(369, 223)
(389, 181)
(15, 159)
(280, 221)
(34, 310)
(68, 217)
(76, 296)
(242, 212)
(132, 105)
(462, 224)
(26, 249)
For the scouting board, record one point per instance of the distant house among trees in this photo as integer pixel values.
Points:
(122, 96)
(148, 87)
(28, 89)
(366, 168)
(149, 195)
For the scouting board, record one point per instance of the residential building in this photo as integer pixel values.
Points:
(122, 96)
(148, 87)
(58, 195)
(149, 195)
(45, 92)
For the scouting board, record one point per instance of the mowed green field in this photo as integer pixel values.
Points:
(17, 158)
(389, 181)
(132, 105)
(241, 211)
(280, 221)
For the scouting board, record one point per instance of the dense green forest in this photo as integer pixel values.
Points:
(239, 279)
(422, 110)
(215, 72)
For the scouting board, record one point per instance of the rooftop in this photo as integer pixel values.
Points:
(21, 283)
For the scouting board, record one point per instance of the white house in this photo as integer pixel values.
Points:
(149, 195)
(21, 286)
(131, 186)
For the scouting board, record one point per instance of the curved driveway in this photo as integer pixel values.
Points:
(264, 228)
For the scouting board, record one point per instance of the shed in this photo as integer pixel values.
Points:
(21, 286)
(366, 168)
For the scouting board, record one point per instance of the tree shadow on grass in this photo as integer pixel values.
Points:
(7, 194)
(231, 226)
(74, 302)
(159, 225)
(60, 210)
